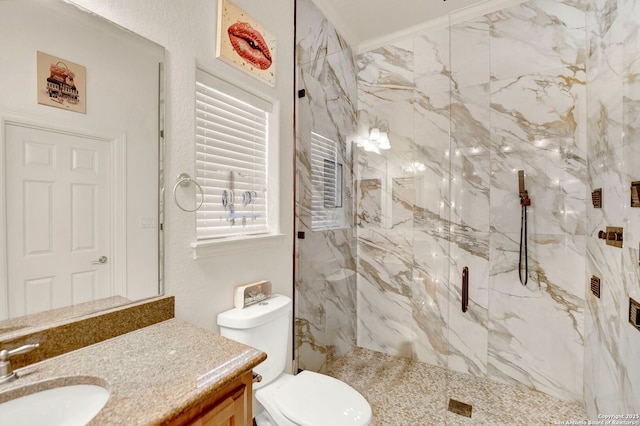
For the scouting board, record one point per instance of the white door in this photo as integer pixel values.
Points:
(58, 220)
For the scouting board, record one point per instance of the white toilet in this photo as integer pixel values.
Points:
(307, 399)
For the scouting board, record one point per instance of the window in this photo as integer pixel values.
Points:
(326, 180)
(231, 159)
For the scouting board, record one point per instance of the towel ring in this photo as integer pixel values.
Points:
(184, 180)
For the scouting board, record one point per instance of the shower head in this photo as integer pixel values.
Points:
(524, 195)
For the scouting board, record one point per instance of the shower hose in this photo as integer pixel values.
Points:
(523, 246)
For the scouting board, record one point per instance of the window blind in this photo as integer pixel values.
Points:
(324, 182)
(231, 159)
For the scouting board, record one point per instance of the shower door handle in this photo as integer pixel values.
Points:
(465, 289)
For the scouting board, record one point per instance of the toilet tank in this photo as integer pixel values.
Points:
(264, 326)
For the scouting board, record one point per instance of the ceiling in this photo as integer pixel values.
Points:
(364, 21)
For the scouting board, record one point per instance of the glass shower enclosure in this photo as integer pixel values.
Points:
(467, 105)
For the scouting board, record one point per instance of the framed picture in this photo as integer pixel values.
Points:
(244, 43)
(61, 83)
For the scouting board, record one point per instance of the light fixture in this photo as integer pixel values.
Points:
(377, 139)
(383, 141)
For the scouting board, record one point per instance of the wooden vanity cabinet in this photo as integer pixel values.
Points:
(231, 406)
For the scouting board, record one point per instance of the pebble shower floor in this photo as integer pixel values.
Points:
(405, 392)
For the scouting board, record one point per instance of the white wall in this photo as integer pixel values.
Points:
(187, 29)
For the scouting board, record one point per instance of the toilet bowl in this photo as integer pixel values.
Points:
(307, 399)
(312, 399)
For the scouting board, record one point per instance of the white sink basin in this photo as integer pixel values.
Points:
(64, 405)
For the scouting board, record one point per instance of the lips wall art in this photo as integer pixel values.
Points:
(244, 43)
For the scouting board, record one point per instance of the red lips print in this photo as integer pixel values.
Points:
(250, 45)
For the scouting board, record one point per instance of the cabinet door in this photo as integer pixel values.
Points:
(228, 412)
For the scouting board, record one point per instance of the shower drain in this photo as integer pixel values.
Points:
(460, 408)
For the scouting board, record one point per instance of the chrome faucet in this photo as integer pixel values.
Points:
(6, 371)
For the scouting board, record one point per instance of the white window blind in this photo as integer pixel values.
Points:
(324, 180)
(231, 159)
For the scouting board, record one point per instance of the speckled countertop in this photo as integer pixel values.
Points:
(152, 373)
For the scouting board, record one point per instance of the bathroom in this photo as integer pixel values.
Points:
(387, 278)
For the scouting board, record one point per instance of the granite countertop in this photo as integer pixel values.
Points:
(153, 374)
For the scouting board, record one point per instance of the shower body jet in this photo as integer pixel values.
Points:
(525, 201)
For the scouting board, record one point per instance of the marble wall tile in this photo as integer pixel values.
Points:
(629, 335)
(431, 124)
(385, 259)
(534, 128)
(469, 331)
(325, 281)
(602, 329)
(430, 306)
(469, 144)
(432, 58)
(470, 48)
(536, 331)
(384, 319)
(385, 75)
(535, 36)
(631, 121)
(341, 308)
(369, 202)
(316, 38)
(602, 14)
(471, 158)
(613, 97)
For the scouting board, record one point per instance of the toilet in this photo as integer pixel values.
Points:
(307, 399)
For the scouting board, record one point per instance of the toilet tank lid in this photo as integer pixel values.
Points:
(255, 315)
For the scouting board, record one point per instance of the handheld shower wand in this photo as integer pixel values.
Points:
(525, 201)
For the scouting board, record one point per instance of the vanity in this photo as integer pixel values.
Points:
(169, 373)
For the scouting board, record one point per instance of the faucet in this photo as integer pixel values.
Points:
(6, 371)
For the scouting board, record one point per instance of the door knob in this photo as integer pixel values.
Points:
(101, 260)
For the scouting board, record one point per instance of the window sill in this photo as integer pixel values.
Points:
(210, 248)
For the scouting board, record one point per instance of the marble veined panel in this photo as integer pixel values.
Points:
(470, 115)
(385, 259)
(340, 306)
(384, 319)
(470, 158)
(602, 329)
(324, 110)
(315, 36)
(629, 335)
(557, 193)
(602, 14)
(433, 61)
(631, 122)
(369, 203)
(385, 74)
(469, 331)
(535, 36)
(535, 111)
(429, 317)
(536, 331)
(336, 74)
(402, 202)
(432, 121)
(470, 49)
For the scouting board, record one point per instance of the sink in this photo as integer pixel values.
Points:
(57, 403)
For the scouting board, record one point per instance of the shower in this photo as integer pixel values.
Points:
(470, 102)
(525, 202)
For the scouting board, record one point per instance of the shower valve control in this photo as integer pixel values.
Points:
(613, 236)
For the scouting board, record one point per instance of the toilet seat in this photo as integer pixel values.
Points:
(312, 399)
